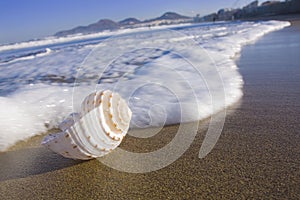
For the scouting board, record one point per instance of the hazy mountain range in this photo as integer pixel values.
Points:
(107, 24)
(252, 10)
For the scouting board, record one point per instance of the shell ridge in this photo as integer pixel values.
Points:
(97, 129)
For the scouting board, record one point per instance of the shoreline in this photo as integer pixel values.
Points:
(233, 59)
(257, 155)
(286, 17)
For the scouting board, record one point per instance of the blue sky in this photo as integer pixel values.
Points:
(27, 19)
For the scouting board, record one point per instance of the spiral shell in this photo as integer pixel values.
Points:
(98, 129)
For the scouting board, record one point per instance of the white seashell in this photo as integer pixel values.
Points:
(95, 131)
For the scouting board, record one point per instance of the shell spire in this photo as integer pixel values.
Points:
(99, 127)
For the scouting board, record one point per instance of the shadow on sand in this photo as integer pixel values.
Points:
(26, 162)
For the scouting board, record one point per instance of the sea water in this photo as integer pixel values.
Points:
(43, 81)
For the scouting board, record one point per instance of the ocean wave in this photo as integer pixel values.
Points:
(160, 86)
(26, 56)
(79, 37)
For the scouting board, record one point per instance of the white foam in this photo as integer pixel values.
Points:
(25, 112)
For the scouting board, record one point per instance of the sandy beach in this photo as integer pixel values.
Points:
(256, 157)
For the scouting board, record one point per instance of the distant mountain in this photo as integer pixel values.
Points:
(107, 24)
(129, 21)
(169, 16)
(101, 25)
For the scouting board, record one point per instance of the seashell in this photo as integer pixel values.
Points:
(99, 128)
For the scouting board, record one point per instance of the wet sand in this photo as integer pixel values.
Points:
(257, 155)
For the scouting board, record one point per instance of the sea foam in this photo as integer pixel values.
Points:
(162, 87)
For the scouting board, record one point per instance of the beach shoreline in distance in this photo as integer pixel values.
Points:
(257, 155)
(287, 17)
